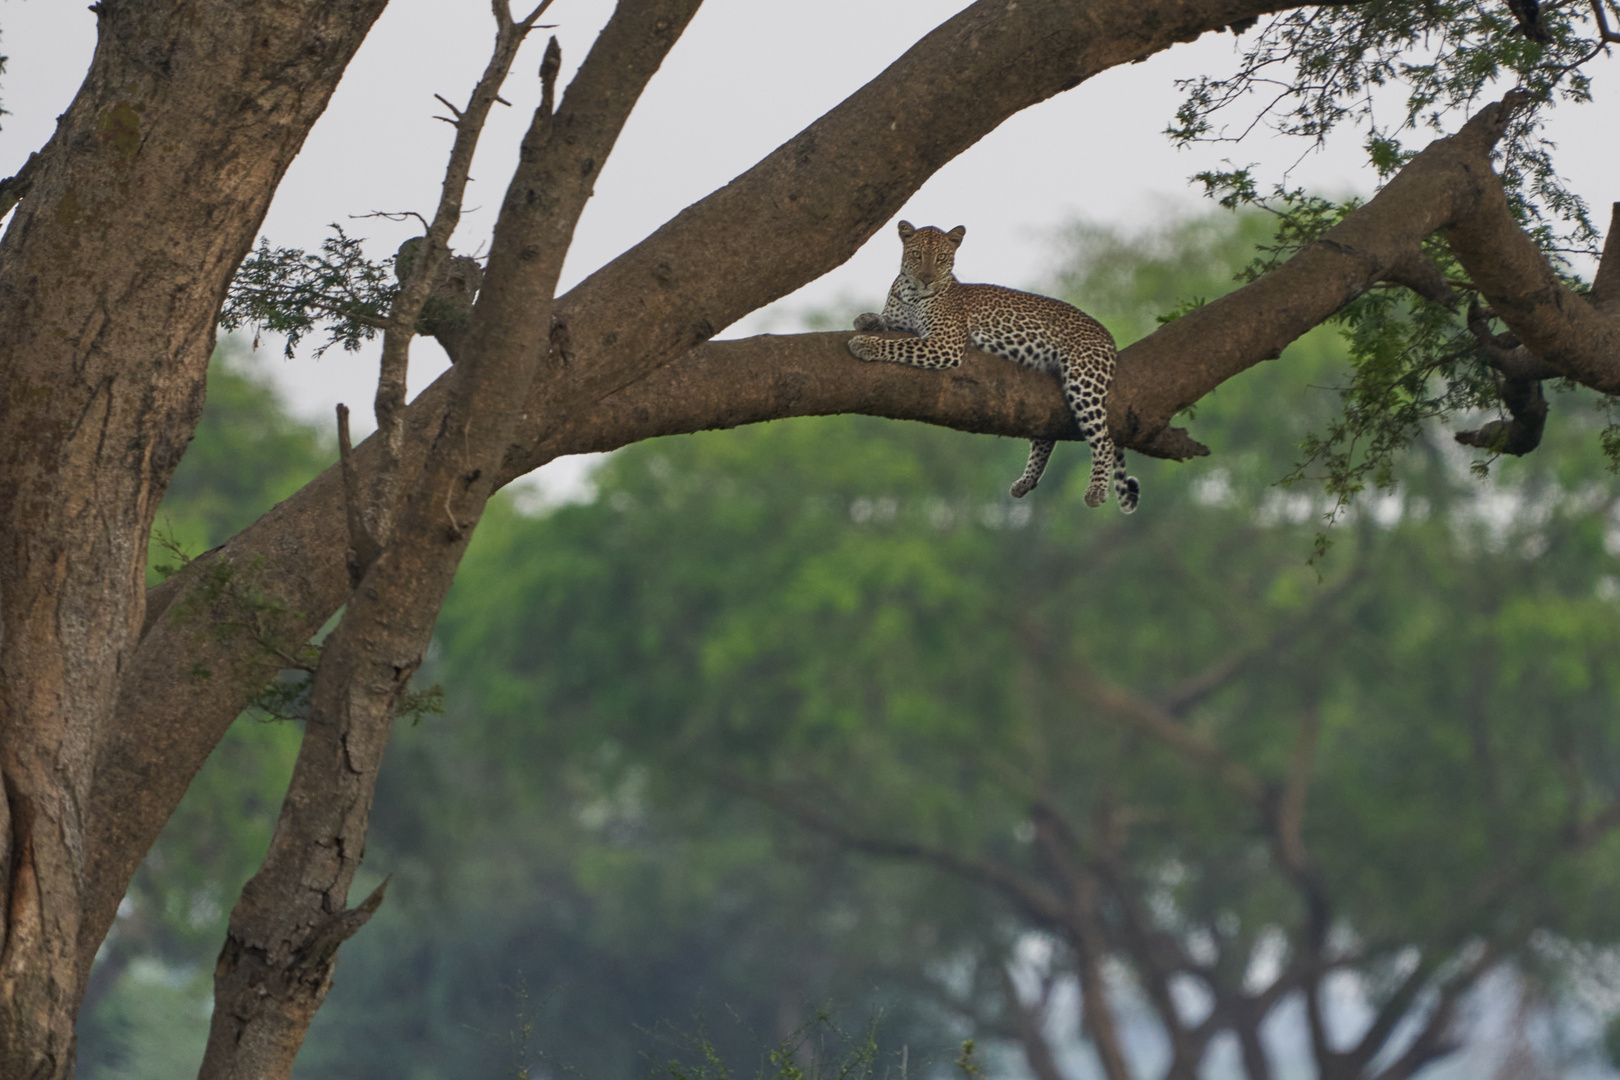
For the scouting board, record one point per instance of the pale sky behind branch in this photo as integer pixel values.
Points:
(746, 76)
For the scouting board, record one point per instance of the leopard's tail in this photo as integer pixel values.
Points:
(1125, 487)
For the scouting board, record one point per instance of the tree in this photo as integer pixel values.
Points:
(131, 222)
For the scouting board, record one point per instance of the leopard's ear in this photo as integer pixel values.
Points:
(956, 234)
(907, 230)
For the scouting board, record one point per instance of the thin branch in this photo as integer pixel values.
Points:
(1389, 1016)
(1186, 740)
(419, 278)
(1434, 1041)
(1039, 901)
(1290, 816)
(1184, 696)
(363, 545)
(1604, 33)
(1029, 1028)
(1158, 957)
(1059, 849)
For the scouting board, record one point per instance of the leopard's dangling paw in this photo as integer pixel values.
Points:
(1096, 495)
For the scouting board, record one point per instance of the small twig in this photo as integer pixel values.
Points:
(394, 215)
(446, 103)
(363, 546)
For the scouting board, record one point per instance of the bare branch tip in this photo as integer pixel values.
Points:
(552, 62)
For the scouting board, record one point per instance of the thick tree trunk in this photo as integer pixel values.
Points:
(109, 287)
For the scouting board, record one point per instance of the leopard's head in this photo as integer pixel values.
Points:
(928, 255)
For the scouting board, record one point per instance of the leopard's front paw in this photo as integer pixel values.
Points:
(1021, 487)
(869, 322)
(1096, 495)
(864, 348)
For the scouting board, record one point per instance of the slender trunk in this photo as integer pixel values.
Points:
(1256, 1062)
(1028, 1024)
(1096, 1017)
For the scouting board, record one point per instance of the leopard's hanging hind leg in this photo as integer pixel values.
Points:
(1085, 388)
(1040, 450)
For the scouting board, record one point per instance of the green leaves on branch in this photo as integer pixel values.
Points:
(1319, 67)
(289, 291)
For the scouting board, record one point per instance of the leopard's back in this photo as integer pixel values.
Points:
(1030, 329)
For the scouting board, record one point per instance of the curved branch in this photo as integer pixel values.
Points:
(1034, 897)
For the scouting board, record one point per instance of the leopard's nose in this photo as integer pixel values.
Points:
(925, 277)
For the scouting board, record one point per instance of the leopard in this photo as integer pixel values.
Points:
(945, 316)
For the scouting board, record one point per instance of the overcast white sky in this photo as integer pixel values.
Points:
(746, 76)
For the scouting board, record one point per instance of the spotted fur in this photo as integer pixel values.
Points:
(1036, 331)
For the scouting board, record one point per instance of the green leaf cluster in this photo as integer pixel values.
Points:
(1318, 68)
(290, 291)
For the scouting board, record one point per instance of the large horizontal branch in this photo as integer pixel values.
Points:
(800, 212)
(726, 384)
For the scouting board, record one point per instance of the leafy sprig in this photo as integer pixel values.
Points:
(290, 291)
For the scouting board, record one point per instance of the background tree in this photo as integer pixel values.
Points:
(130, 223)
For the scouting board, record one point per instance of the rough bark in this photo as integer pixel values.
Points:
(109, 287)
(279, 953)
